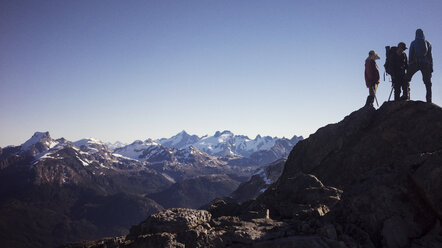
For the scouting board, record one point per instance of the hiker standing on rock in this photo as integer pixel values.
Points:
(371, 76)
(397, 65)
(421, 59)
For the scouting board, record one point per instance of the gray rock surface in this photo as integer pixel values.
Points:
(385, 166)
(172, 220)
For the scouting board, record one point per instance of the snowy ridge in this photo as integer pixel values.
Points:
(221, 143)
(89, 142)
(179, 141)
(227, 144)
(39, 137)
(139, 149)
(86, 151)
(90, 145)
(116, 145)
(153, 152)
(50, 154)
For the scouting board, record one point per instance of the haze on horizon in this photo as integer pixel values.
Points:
(118, 70)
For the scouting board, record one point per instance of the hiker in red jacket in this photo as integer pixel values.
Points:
(371, 76)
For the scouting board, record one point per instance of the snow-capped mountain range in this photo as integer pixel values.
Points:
(183, 148)
(221, 144)
(64, 158)
(225, 143)
(153, 152)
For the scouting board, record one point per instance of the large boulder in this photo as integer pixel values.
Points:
(172, 220)
(304, 196)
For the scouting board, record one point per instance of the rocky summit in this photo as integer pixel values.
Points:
(371, 180)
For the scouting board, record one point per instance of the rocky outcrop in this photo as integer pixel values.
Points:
(381, 173)
(197, 228)
(174, 220)
(303, 196)
(371, 180)
(181, 227)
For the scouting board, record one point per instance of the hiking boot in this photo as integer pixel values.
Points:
(370, 101)
(405, 98)
(397, 96)
(406, 95)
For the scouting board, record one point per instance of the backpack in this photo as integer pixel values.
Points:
(420, 48)
(387, 66)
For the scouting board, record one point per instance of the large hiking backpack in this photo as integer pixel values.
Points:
(420, 48)
(388, 56)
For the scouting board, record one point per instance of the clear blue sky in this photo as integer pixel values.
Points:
(126, 70)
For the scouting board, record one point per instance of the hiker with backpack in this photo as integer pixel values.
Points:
(421, 59)
(396, 64)
(371, 76)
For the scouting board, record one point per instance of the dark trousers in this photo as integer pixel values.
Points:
(400, 83)
(426, 71)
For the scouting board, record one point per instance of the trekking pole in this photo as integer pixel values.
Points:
(375, 96)
(390, 93)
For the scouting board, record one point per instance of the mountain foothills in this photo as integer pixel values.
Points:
(57, 191)
(371, 180)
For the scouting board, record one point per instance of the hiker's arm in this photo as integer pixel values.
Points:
(411, 53)
(406, 62)
(374, 72)
(430, 56)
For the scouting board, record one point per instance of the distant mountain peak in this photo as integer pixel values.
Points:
(41, 139)
(183, 133)
(36, 138)
(116, 144)
(225, 132)
(61, 140)
(88, 141)
(180, 140)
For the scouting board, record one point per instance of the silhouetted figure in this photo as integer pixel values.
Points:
(421, 59)
(371, 76)
(398, 65)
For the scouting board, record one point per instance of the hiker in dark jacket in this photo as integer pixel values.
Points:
(421, 59)
(371, 76)
(398, 65)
